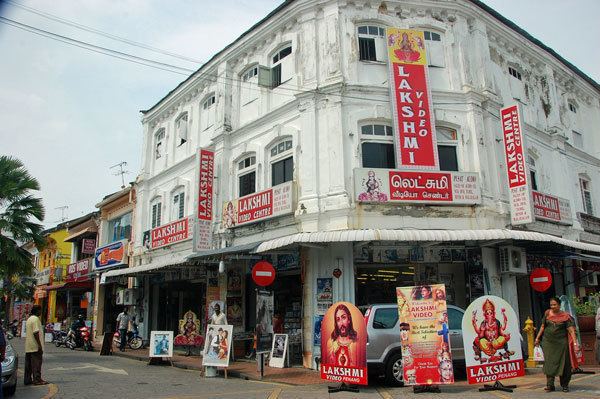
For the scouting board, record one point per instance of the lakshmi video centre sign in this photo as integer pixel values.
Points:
(551, 209)
(275, 201)
(521, 209)
(389, 185)
(170, 233)
(416, 146)
(203, 232)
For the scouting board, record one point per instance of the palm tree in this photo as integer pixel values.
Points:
(19, 210)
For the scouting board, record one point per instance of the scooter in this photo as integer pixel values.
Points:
(59, 338)
(134, 341)
(82, 339)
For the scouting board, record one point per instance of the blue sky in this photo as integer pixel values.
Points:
(70, 114)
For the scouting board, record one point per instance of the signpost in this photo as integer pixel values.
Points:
(540, 279)
(263, 273)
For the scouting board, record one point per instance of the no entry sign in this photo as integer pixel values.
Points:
(263, 273)
(540, 279)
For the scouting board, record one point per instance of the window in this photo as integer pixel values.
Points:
(385, 318)
(586, 196)
(158, 146)
(120, 228)
(377, 146)
(208, 102)
(572, 108)
(455, 319)
(155, 215)
(248, 88)
(371, 43)
(246, 176)
(208, 112)
(181, 125)
(532, 172)
(281, 71)
(577, 140)
(447, 140)
(178, 206)
(434, 49)
(514, 73)
(282, 163)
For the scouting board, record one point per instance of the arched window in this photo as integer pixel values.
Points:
(155, 212)
(207, 114)
(178, 204)
(246, 175)
(434, 47)
(377, 146)
(249, 85)
(282, 162)
(586, 194)
(282, 66)
(371, 43)
(181, 126)
(159, 147)
(447, 143)
(532, 171)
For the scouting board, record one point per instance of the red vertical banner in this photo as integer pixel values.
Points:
(203, 231)
(521, 205)
(416, 144)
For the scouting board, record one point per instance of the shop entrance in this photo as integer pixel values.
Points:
(176, 298)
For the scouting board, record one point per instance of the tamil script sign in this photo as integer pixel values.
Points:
(203, 232)
(521, 209)
(275, 201)
(551, 209)
(389, 185)
(416, 146)
(170, 233)
(78, 271)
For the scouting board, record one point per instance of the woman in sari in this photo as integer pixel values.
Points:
(223, 345)
(559, 344)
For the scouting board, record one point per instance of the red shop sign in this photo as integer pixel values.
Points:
(421, 186)
(263, 273)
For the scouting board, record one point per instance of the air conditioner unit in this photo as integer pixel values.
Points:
(591, 279)
(130, 296)
(513, 260)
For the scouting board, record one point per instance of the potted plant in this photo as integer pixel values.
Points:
(586, 311)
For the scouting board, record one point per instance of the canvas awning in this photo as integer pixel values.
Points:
(250, 248)
(80, 233)
(419, 236)
(148, 268)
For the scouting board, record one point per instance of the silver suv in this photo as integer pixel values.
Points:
(384, 356)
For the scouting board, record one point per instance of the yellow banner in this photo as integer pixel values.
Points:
(406, 46)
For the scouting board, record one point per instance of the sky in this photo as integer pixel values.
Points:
(70, 114)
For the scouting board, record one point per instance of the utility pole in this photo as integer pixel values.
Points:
(121, 172)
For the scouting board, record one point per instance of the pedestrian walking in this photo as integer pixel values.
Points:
(558, 331)
(123, 325)
(34, 349)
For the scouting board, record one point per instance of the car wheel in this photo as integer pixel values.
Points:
(11, 391)
(394, 374)
(136, 343)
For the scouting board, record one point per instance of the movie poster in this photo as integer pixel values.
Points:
(278, 351)
(324, 294)
(491, 341)
(344, 345)
(217, 345)
(264, 320)
(424, 335)
(161, 344)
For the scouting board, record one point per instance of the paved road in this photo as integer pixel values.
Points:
(78, 374)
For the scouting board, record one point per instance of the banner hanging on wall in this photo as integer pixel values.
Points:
(256, 207)
(521, 204)
(424, 335)
(203, 232)
(416, 144)
(491, 340)
(344, 345)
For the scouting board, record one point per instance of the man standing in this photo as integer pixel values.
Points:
(34, 349)
(123, 325)
(218, 318)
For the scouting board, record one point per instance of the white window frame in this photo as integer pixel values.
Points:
(372, 137)
(533, 178)
(182, 128)
(452, 141)
(515, 73)
(208, 111)
(378, 38)
(577, 139)
(249, 85)
(515, 81)
(434, 48)
(177, 198)
(159, 143)
(244, 166)
(280, 151)
(586, 195)
(572, 106)
(285, 62)
(155, 212)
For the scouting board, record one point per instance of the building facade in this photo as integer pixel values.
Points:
(299, 114)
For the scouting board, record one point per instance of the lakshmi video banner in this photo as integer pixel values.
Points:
(492, 341)
(416, 146)
(344, 345)
(424, 335)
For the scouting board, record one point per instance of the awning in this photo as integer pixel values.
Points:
(419, 235)
(146, 269)
(87, 230)
(73, 285)
(224, 251)
(584, 257)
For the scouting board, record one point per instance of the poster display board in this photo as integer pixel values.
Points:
(424, 335)
(491, 340)
(324, 294)
(278, 351)
(264, 320)
(217, 345)
(344, 345)
(161, 344)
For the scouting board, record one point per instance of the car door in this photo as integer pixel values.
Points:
(384, 332)
(455, 316)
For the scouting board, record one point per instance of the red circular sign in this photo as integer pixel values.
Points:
(337, 273)
(540, 279)
(263, 273)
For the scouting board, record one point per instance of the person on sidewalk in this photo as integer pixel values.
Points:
(123, 325)
(2, 354)
(34, 349)
(558, 330)
(218, 317)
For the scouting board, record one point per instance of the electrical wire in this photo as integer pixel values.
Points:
(102, 33)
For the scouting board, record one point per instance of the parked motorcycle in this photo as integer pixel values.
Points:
(134, 341)
(81, 339)
(59, 338)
